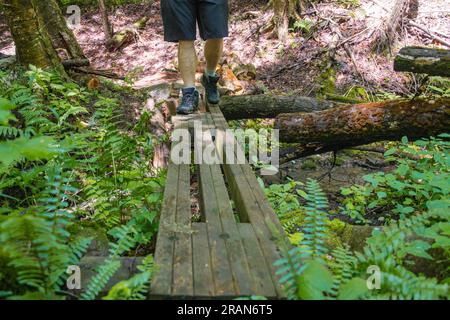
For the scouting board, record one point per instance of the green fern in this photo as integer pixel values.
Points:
(343, 266)
(125, 236)
(36, 254)
(135, 288)
(312, 248)
(315, 222)
(386, 248)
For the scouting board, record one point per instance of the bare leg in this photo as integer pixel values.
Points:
(213, 53)
(187, 61)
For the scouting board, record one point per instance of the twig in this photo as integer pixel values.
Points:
(430, 33)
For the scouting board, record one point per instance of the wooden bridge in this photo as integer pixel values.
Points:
(231, 251)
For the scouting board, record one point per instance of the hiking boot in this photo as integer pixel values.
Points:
(189, 101)
(210, 84)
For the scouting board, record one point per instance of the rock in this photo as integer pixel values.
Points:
(89, 264)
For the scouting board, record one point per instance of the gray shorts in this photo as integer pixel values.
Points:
(180, 18)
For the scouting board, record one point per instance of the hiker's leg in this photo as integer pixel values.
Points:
(213, 53)
(187, 62)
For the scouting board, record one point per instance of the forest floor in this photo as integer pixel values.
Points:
(306, 64)
(278, 65)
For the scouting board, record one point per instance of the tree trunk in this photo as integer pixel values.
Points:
(62, 37)
(284, 12)
(107, 27)
(267, 106)
(435, 62)
(403, 9)
(350, 126)
(31, 38)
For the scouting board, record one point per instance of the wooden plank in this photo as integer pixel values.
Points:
(223, 280)
(250, 177)
(183, 284)
(259, 269)
(162, 281)
(203, 277)
(251, 206)
(235, 249)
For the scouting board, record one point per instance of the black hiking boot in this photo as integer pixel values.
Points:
(189, 101)
(210, 84)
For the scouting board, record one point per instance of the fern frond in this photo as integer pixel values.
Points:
(100, 279)
(343, 266)
(315, 222)
(382, 250)
(135, 288)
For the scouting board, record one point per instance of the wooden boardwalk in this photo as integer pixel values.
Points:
(231, 251)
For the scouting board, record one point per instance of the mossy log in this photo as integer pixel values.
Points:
(125, 36)
(349, 126)
(157, 125)
(435, 62)
(269, 106)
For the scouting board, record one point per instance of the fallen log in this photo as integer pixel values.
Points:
(157, 127)
(268, 106)
(71, 63)
(125, 36)
(435, 62)
(350, 126)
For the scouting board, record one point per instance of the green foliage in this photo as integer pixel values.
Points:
(422, 174)
(304, 25)
(68, 156)
(308, 271)
(387, 249)
(285, 199)
(438, 86)
(38, 245)
(302, 268)
(135, 288)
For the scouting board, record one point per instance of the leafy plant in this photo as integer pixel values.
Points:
(135, 288)
(309, 271)
(422, 174)
(64, 166)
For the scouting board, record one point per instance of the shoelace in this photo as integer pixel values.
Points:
(188, 98)
(211, 85)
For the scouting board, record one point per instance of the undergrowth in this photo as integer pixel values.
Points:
(69, 164)
(406, 256)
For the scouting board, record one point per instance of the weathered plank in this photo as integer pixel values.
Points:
(223, 280)
(230, 232)
(259, 269)
(247, 196)
(203, 277)
(162, 281)
(183, 284)
(218, 257)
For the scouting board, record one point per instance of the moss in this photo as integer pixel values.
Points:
(334, 233)
(339, 161)
(100, 241)
(327, 81)
(309, 164)
(341, 233)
